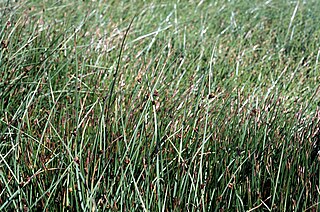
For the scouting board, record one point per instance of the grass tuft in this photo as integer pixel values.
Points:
(144, 106)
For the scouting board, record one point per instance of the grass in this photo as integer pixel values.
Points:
(130, 106)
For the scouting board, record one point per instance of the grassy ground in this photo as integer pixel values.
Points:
(194, 106)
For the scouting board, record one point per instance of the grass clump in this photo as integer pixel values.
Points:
(159, 106)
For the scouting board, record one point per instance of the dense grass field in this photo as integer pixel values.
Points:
(159, 106)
